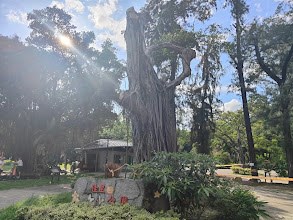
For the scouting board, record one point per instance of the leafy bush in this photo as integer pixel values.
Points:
(185, 178)
(245, 171)
(241, 170)
(189, 181)
(60, 207)
(281, 168)
(8, 213)
(236, 203)
(73, 211)
(50, 200)
(235, 169)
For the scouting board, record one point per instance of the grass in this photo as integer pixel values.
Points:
(42, 181)
(10, 212)
(25, 183)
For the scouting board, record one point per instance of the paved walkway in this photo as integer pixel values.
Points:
(279, 201)
(11, 196)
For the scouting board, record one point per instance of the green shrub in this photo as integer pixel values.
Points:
(245, 171)
(73, 211)
(241, 170)
(194, 192)
(236, 203)
(48, 200)
(235, 169)
(60, 207)
(10, 212)
(185, 178)
(281, 168)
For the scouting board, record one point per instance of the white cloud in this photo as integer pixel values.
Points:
(75, 5)
(231, 106)
(57, 4)
(17, 17)
(102, 15)
(69, 5)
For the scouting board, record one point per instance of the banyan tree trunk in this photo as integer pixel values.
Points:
(149, 100)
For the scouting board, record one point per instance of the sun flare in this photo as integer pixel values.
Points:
(65, 41)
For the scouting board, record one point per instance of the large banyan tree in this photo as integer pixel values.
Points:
(150, 99)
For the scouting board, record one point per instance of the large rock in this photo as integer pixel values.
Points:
(99, 191)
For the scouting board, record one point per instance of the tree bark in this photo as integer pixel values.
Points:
(149, 100)
(239, 63)
(249, 136)
(286, 120)
(284, 89)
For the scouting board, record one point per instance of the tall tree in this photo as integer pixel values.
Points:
(273, 46)
(22, 71)
(148, 97)
(170, 21)
(163, 23)
(81, 95)
(203, 101)
(162, 27)
(238, 10)
(55, 96)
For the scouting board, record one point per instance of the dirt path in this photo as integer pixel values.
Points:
(11, 196)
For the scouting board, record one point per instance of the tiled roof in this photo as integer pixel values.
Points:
(106, 143)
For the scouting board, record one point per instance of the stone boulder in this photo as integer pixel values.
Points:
(112, 190)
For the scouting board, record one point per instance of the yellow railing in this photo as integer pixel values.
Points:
(256, 177)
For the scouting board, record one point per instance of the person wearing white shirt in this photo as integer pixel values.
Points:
(19, 164)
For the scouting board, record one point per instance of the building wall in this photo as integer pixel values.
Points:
(114, 156)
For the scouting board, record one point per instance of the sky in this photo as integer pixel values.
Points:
(107, 19)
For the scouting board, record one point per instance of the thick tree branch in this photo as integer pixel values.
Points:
(264, 66)
(186, 54)
(286, 64)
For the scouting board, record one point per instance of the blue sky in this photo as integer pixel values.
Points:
(107, 19)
